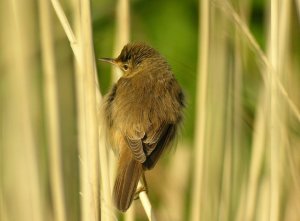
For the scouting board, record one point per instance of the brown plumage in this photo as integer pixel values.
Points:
(143, 111)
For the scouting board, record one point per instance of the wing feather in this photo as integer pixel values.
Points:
(137, 149)
(158, 148)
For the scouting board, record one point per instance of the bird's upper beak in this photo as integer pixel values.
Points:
(108, 60)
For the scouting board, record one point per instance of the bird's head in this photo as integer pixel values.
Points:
(134, 57)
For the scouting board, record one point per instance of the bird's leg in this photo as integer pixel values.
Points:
(143, 187)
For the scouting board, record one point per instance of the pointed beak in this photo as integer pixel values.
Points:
(108, 60)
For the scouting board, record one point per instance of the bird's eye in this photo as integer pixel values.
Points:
(125, 67)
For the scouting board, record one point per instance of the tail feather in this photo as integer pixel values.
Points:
(128, 176)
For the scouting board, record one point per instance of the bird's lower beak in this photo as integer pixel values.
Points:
(108, 60)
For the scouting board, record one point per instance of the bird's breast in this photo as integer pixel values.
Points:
(143, 101)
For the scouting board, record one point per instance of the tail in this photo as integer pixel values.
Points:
(128, 175)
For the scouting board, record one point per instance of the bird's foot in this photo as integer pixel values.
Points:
(138, 191)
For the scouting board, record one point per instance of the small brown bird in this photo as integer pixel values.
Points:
(143, 111)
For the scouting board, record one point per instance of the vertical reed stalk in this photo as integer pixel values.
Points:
(130, 214)
(52, 115)
(257, 158)
(24, 198)
(3, 209)
(274, 124)
(216, 184)
(262, 211)
(87, 93)
(203, 53)
(90, 150)
(238, 133)
(146, 204)
(107, 210)
(226, 180)
(298, 8)
(79, 94)
(122, 35)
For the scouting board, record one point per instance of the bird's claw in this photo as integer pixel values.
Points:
(139, 190)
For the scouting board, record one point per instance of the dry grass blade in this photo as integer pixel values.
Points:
(67, 28)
